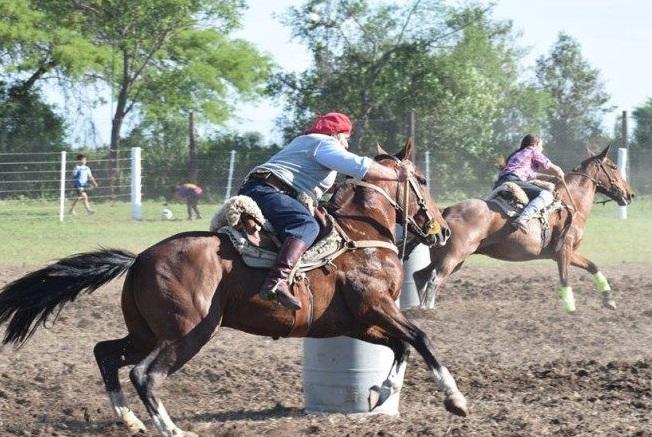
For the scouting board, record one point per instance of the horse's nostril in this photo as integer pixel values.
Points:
(447, 232)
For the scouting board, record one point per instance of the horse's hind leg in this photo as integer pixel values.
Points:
(167, 357)
(386, 315)
(599, 280)
(394, 382)
(111, 355)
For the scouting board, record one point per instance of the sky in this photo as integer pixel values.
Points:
(615, 37)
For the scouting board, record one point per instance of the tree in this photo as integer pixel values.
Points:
(456, 67)
(172, 56)
(38, 37)
(27, 124)
(579, 99)
(643, 126)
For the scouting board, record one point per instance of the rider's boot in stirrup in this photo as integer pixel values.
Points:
(539, 202)
(276, 284)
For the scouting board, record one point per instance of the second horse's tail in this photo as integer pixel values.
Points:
(30, 300)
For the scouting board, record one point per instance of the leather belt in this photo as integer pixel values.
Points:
(274, 181)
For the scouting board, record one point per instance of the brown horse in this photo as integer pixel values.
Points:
(180, 291)
(480, 227)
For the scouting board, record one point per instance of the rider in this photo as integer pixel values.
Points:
(308, 164)
(520, 168)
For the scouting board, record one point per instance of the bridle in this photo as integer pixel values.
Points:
(408, 222)
(612, 181)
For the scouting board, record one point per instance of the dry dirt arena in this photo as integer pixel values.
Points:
(526, 368)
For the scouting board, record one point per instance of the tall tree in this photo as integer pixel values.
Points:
(580, 99)
(456, 67)
(38, 37)
(643, 126)
(172, 56)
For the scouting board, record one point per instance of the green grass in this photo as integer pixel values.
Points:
(30, 233)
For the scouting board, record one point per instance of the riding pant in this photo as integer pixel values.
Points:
(288, 216)
(531, 190)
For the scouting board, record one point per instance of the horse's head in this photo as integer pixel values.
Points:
(416, 205)
(604, 172)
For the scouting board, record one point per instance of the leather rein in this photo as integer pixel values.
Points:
(408, 220)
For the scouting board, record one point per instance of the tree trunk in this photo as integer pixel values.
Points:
(116, 127)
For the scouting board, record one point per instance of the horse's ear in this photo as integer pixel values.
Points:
(407, 151)
(380, 150)
(589, 152)
(603, 155)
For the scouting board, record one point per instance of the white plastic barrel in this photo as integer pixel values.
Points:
(338, 373)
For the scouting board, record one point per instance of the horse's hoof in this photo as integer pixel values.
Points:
(609, 304)
(608, 300)
(456, 404)
(378, 396)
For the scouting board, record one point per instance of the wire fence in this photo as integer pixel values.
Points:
(32, 181)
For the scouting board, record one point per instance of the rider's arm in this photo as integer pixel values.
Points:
(554, 170)
(332, 155)
(379, 172)
(544, 165)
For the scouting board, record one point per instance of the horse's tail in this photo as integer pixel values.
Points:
(30, 300)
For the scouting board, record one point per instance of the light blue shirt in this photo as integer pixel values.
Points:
(80, 175)
(310, 163)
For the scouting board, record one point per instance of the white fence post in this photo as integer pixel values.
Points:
(62, 187)
(229, 182)
(622, 167)
(136, 184)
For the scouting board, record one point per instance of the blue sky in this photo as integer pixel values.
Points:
(615, 36)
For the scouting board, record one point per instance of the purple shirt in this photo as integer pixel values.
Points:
(524, 163)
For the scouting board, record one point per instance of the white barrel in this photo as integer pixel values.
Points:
(338, 373)
(419, 259)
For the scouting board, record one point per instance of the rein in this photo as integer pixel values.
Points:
(597, 183)
(403, 210)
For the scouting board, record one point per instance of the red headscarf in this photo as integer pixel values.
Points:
(330, 124)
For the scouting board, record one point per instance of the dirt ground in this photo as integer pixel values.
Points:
(525, 366)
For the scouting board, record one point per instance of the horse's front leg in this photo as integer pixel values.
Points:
(566, 291)
(599, 279)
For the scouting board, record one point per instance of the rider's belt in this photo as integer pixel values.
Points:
(274, 181)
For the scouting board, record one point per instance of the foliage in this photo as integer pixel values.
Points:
(455, 67)
(579, 100)
(165, 158)
(27, 124)
(643, 128)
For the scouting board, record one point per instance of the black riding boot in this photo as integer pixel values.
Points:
(276, 284)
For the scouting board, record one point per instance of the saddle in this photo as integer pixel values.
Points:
(242, 222)
(511, 199)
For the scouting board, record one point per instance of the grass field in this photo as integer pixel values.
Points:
(30, 233)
